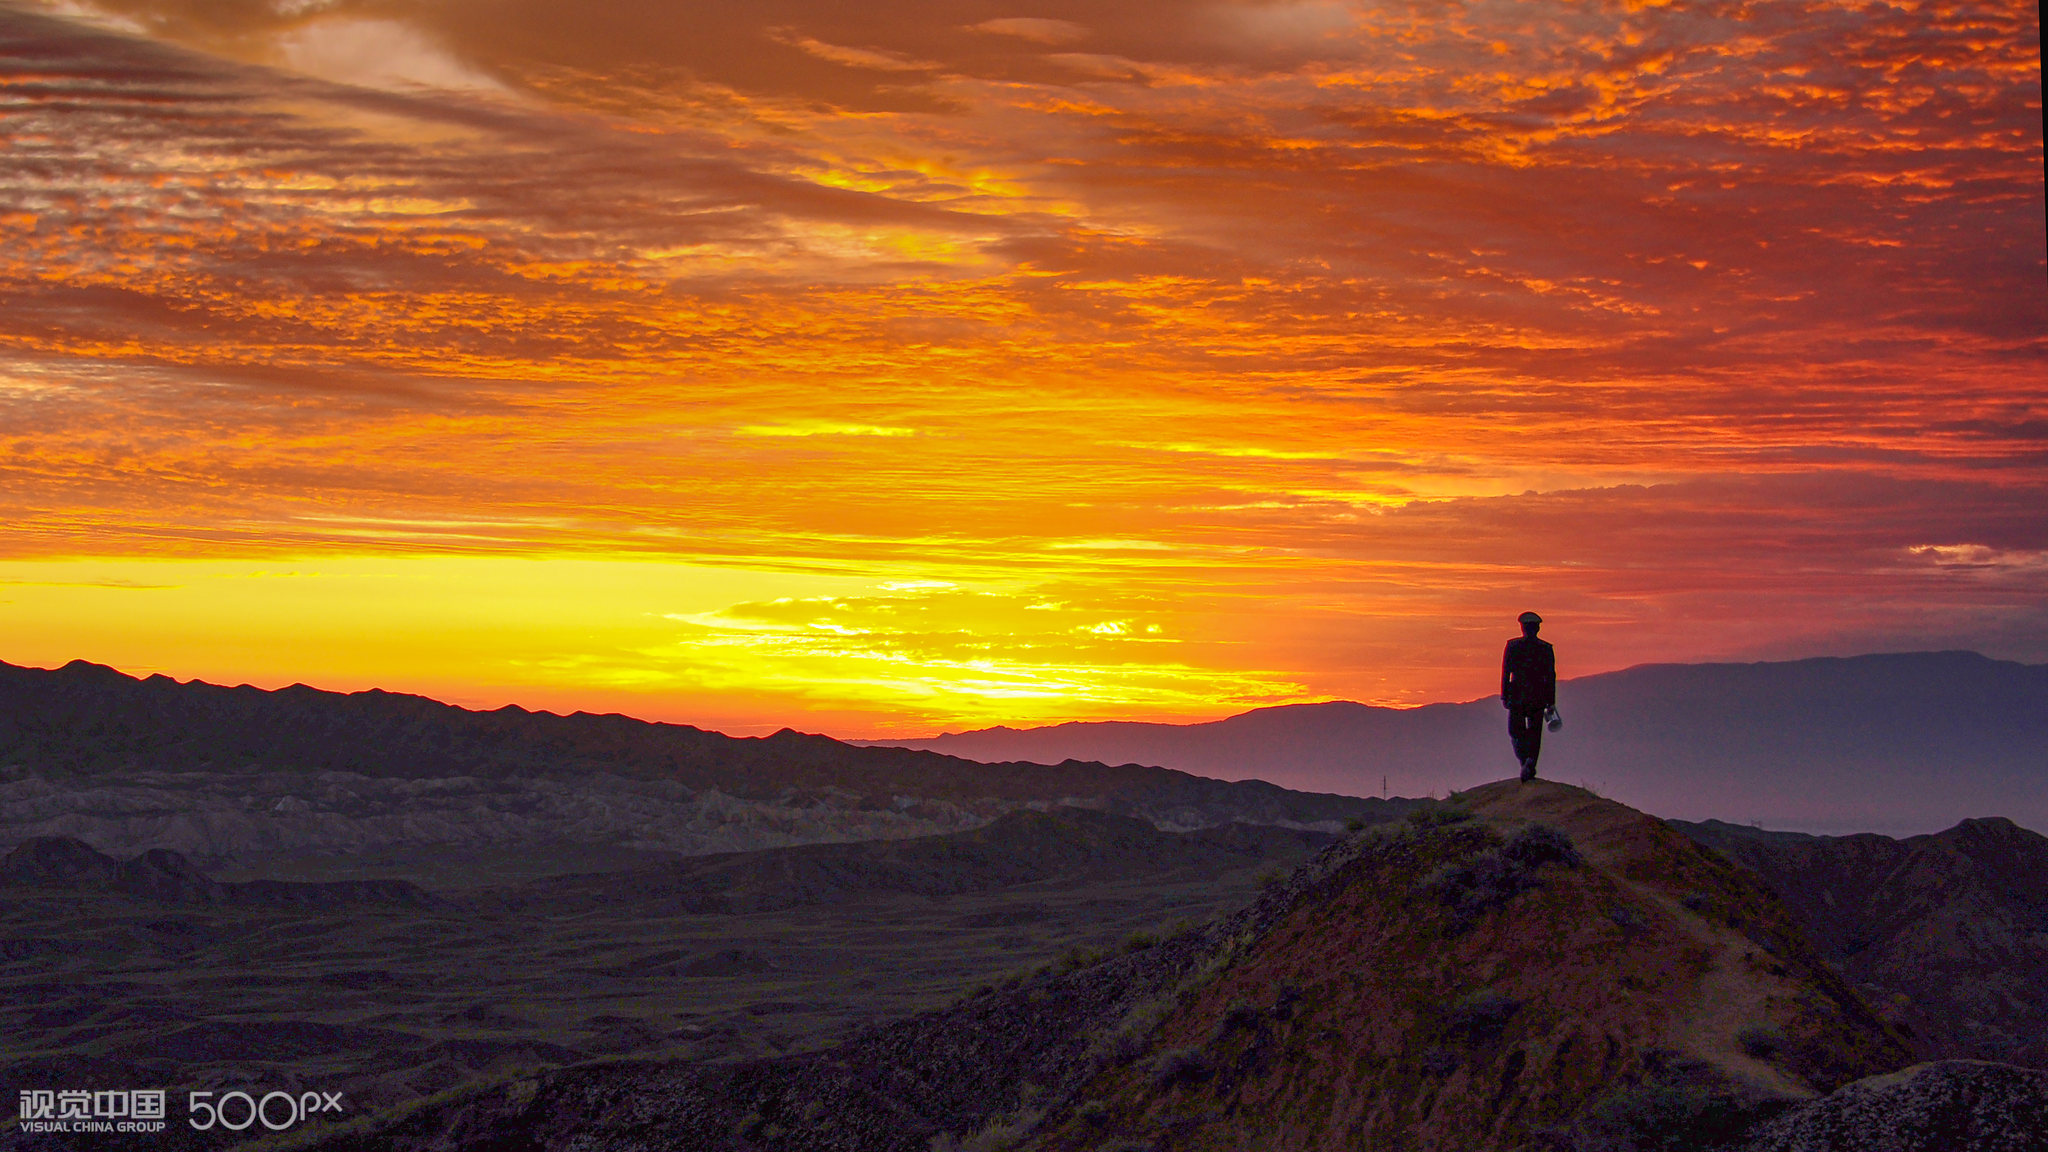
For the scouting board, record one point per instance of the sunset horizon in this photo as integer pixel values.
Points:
(574, 703)
(939, 366)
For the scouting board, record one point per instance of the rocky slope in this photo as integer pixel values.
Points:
(223, 774)
(1946, 933)
(1529, 967)
(1535, 973)
(1947, 1106)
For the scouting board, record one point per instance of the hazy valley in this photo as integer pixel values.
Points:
(391, 992)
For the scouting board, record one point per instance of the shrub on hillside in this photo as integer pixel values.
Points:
(1760, 1040)
(1436, 815)
(1537, 844)
(1239, 1016)
(1481, 1015)
(1629, 920)
(1284, 1000)
(1493, 877)
(1438, 1061)
(1179, 1066)
(1476, 883)
(1002, 1132)
(1079, 956)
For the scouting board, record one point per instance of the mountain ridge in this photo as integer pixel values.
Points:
(221, 773)
(1892, 742)
(1947, 932)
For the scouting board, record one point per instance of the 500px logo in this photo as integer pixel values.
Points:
(142, 1109)
(276, 1111)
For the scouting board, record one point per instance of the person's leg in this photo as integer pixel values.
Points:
(1518, 733)
(1526, 730)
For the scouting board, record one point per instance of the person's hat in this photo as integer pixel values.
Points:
(1528, 618)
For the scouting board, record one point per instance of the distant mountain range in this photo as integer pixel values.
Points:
(220, 774)
(1898, 743)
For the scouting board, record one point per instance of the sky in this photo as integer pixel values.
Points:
(900, 367)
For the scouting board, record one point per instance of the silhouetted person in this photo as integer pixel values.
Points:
(1528, 689)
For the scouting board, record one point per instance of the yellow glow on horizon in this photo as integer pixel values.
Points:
(719, 646)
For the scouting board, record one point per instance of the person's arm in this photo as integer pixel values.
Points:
(1507, 665)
